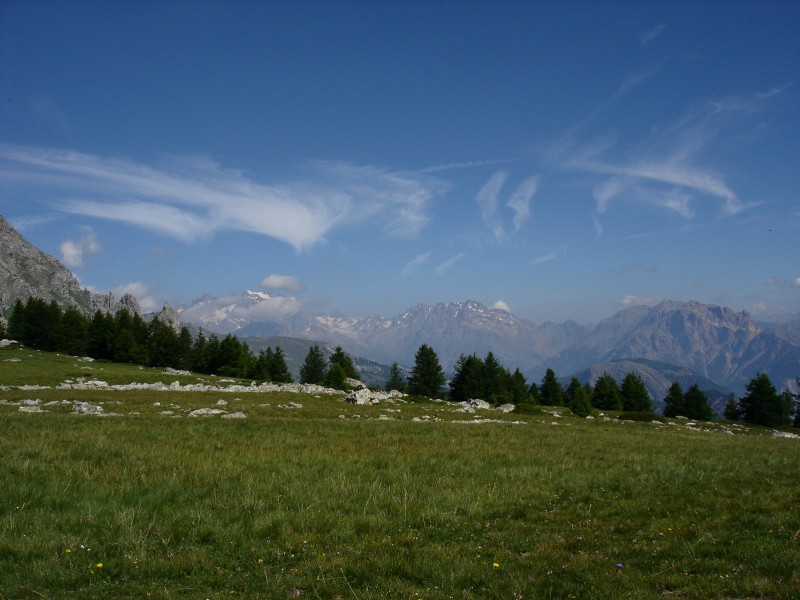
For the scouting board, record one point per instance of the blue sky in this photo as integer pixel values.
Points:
(563, 160)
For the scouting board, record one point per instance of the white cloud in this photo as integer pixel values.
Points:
(487, 196)
(634, 300)
(144, 293)
(797, 282)
(282, 282)
(759, 307)
(412, 265)
(501, 305)
(194, 198)
(226, 314)
(74, 252)
(648, 36)
(518, 202)
(543, 258)
(448, 264)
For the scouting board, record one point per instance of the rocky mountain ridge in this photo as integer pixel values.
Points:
(26, 271)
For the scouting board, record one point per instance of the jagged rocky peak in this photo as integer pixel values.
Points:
(27, 272)
(169, 316)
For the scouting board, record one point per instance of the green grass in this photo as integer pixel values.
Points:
(305, 503)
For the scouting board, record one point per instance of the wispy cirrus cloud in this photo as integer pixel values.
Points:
(448, 264)
(195, 199)
(415, 262)
(649, 35)
(519, 202)
(668, 169)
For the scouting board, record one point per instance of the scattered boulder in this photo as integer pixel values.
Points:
(206, 412)
(236, 415)
(506, 408)
(290, 405)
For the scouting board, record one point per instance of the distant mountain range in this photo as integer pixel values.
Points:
(674, 341)
(688, 342)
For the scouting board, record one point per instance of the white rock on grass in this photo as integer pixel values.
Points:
(206, 412)
(236, 415)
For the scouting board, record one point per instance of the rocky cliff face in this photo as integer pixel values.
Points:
(26, 271)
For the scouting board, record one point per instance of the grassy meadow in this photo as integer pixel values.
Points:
(333, 500)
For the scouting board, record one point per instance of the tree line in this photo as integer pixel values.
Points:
(125, 337)
(487, 379)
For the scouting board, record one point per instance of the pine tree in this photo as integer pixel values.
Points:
(552, 394)
(732, 411)
(396, 380)
(674, 405)
(578, 399)
(314, 367)
(468, 379)
(261, 366)
(335, 378)
(495, 380)
(535, 394)
(427, 377)
(696, 405)
(339, 357)
(762, 405)
(606, 394)
(635, 397)
(278, 369)
(74, 332)
(518, 388)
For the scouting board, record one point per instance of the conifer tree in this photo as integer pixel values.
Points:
(517, 388)
(314, 367)
(278, 369)
(605, 394)
(335, 378)
(534, 393)
(732, 412)
(468, 379)
(495, 380)
(339, 357)
(635, 397)
(74, 332)
(674, 404)
(696, 405)
(552, 394)
(427, 377)
(396, 380)
(578, 399)
(762, 405)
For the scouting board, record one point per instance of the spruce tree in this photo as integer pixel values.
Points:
(339, 357)
(674, 405)
(605, 394)
(762, 405)
(396, 380)
(468, 379)
(696, 405)
(314, 367)
(732, 411)
(518, 388)
(578, 399)
(635, 397)
(535, 394)
(495, 380)
(552, 394)
(335, 378)
(74, 332)
(427, 377)
(278, 369)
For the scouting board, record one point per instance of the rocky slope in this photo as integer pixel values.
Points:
(26, 271)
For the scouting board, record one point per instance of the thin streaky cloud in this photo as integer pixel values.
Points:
(467, 165)
(414, 263)
(520, 201)
(648, 36)
(539, 260)
(448, 264)
(202, 198)
(486, 198)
